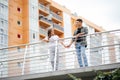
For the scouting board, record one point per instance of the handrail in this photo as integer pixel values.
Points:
(60, 39)
(60, 52)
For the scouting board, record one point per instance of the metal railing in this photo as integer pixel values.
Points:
(5, 2)
(41, 17)
(4, 10)
(43, 31)
(3, 16)
(102, 48)
(3, 39)
(58, 27)
(56, 16)
(44, 8)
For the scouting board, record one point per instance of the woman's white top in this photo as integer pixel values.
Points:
(52, 40)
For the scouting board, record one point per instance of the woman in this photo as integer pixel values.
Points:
(53, 39)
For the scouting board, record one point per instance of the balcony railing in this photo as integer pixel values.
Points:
(56, 16)
(5, 2)
(43, 31)
(44, 8)
(3, 40)
(102, 48)
(3, 16)
(58, 27)
(41, 17)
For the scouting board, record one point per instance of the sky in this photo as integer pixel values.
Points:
(104, 13)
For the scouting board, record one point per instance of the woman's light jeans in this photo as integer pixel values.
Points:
(54, 62)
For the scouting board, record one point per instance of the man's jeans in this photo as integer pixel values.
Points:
(82, 59)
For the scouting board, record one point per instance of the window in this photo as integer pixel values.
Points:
(2, 23)
(3, 10)
(1, 73)
(1, 64)
(4, 51)
(33, 11)
(6, 0)
(1, 36)
(1, 30)
(18, 49)
(19, 9)
(1, 39)
(2, 6)
(19, 36)
(19, 23)
(33, 35)
(5, 39)
(20, 64)
(33, 8)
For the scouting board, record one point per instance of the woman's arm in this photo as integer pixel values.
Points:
(61, 42)
(45, 39)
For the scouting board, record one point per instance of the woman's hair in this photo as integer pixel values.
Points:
(49, 33)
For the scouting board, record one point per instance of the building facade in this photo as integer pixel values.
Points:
(3, 35)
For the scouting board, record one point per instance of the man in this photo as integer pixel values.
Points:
(80, 42)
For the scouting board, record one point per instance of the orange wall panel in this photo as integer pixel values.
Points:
(23, 17)
(25, 21)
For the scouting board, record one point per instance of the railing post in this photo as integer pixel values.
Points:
(24, 59)
(56, 54)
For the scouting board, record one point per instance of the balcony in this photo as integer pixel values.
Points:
(3, 16)
(58, 27)
(45, 1)
(43, 10)
(43, 32)
(5, 2)
(56, 16)
(3, 39)
(44, 21)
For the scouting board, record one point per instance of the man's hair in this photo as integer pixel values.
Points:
(80, 20)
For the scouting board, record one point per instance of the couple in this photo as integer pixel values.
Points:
(80, 44)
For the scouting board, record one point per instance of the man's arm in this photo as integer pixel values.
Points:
(82, 33)
(85, 30)
(62, 44)
(73, 39)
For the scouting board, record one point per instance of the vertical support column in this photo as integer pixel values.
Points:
(24, 59)
(56, 56)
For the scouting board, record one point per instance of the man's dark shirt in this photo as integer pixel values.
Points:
(81, 39)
